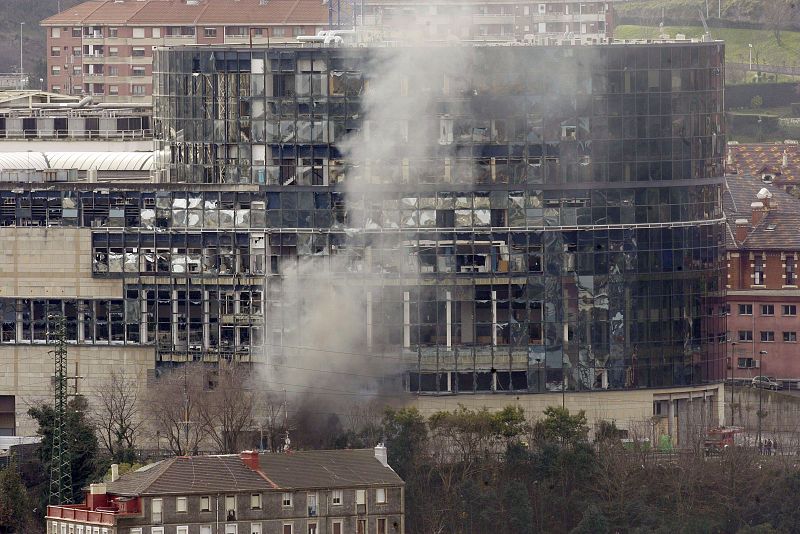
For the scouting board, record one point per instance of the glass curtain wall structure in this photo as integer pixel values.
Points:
(562, 231)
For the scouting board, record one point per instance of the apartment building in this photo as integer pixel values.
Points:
(305, 492)
(762, 288)
(104, 48)
(540, 21)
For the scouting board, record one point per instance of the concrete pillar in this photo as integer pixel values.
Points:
(143, 317)
(671, 420)
(449, 319)
(369, 319)
(206, 321)
(406, 319)
(494, 318)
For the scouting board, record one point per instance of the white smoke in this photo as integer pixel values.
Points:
(325, 350)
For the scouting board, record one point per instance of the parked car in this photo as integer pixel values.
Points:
(766, 382)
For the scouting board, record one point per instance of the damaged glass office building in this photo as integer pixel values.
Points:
(561, 228)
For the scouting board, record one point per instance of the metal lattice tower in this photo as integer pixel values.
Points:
(60, 461)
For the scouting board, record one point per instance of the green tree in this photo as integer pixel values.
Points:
(561, 427)
(519, 511)
(407, 436)
(81, 443)
(15, 505)
(592, 522)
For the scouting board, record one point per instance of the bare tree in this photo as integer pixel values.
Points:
(272, 421)
(226, 410)
(779, 15)
(116, 416)
(175, 408)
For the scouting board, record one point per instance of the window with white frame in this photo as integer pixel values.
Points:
(231, 528)
(156, 511)
(182, 529)
(758, 271)
(154, 530)
(336, 497)
(137, 530)
(767, 336)
(230, 507)
(361, 496)
(137, 90)
(312, 528)
(79, 530)
(113, 32)
(380, 495)
(767, 309)
(255, 528)
(55, 32)
(791, 277)
(205, 529)
(255, 501)
(789, 309)
(55, 51)
(156, 33)
(63, 528)
(311, 500)
(287, 500)
(205, 503)
(180, 504)
(137, 51)
(138, 33)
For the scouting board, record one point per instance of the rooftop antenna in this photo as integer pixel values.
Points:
(706, 32)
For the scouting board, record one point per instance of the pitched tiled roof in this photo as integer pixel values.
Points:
(327, 469)
(190, 474)
(208, 12)
(221, 473)
(760, 158)
(780, 227)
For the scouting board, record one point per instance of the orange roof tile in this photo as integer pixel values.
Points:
(205, 12)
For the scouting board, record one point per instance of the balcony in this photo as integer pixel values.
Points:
(493, 19)
(94, 58)
(80, 513)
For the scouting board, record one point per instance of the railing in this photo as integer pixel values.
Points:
(81, 514)
(122, 135)
(772, 69)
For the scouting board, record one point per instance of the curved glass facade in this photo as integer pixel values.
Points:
(562, 224)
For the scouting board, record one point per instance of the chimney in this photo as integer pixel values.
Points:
(114, 472)
(97, 496)
(382, 455)
(765, 197)
(758, 212)
(742, 227)
(250, 459)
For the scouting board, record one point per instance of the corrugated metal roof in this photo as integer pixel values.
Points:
(82, 161)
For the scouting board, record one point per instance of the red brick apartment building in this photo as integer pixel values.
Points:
(762, 285)
(104, 47)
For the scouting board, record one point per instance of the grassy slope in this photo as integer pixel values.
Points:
(731, 9)
(736, 40)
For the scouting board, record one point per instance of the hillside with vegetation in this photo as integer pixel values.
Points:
(34, 40)
(766, 47)
(768, 14)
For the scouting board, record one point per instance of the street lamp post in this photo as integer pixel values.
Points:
(750, 63)
(21, 24)
(760, 394)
